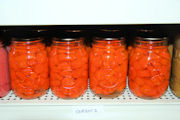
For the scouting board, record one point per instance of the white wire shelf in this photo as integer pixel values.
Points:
(89, 106)
(89, 99)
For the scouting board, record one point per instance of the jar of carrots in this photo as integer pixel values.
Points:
(68, 66)
(149, 67)
(28, 66)
(108, 63)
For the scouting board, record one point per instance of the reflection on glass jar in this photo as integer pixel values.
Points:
(108, 63)
(149, 67)
(68, 67)
(28, 67)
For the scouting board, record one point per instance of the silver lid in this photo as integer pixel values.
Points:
(74, 31)
(145, 30)
(154, 39)
(110, 38)
(109, 30)
(68, 39)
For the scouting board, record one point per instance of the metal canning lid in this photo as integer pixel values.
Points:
(68, 39)
(151, 34)
(110, 30)
(27, 39)
(74, 31)
(145, 30)
(109, 34)
(68, 34)
(26, 34)
(154, 39)
(108, 38)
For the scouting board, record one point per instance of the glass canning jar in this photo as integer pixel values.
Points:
(4, 71)
(149, 67)
(175, 73)
(108, 63)
(68, 67)
(28, 67)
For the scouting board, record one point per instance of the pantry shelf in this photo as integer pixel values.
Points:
(90, 105)
(89, 99)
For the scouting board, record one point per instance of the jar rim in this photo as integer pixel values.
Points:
(151, 41)
(109, 38)
(154, 39)
(26, 39)
(67, 39)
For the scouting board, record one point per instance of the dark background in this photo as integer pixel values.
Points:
(89, 31)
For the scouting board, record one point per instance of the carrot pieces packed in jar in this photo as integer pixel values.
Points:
(130, 47)
(108, 63)
(149, 67)
(28, 68)
(68, 67)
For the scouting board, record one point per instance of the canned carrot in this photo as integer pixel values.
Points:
(149, 68)
(28, 68)
(68, 68)
(108, 67)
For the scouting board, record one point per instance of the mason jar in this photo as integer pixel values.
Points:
(175, 73)
(28, 66)
(149, 67)
(108, 63)
(4, 71)
(68, 66)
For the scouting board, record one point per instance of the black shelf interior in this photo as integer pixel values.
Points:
(89, 31)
